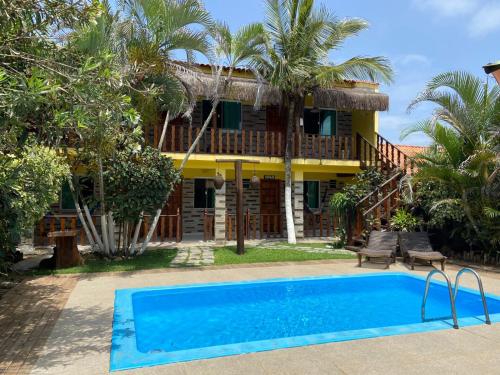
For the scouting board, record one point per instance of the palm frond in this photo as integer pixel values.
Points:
(366, 68)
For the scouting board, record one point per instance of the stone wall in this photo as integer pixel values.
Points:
(192, 218)
(298, 208)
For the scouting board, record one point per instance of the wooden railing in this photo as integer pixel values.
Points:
(378, 205)
(368, 211)
(395, 155)
(179, 138)
(52, 223)
(169, 228)
(371, 156)
(315, 146)
(320, 224)
(255, 226)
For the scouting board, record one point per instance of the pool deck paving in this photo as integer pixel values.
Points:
(76, 338)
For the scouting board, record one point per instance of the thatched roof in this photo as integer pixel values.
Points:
(249, 90)
(351, 98)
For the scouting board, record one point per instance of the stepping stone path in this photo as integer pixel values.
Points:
(193, 256)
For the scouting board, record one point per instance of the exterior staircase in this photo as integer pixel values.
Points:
(374, 211)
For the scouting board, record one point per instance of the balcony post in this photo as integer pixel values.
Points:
(220, 211)
(298, 203)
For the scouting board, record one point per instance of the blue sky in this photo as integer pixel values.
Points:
(421, 38)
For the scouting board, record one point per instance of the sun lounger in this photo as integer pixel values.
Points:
(381, 245)
(416, 246)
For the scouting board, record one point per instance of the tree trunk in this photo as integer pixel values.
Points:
(208, 120)
(137, 230)
(125, 236)
(164, 131)
(290, 225)
(90, 238)
(104, 224)
(111, 233)
(133, 244)
(92, 227)
(188, 154)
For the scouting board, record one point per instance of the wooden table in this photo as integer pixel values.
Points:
(66, 251)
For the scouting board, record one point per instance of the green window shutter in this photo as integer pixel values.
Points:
(311, 190)
(67, 202)
(231, 115)
(328, 122)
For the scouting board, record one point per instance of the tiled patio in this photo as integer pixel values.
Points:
(80, 340)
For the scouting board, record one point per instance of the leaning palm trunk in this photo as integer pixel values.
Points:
(111, 233)
(90, 238)
(133, 244)
(88, 215)
(215, 102)
(164, 131)
(290, 225)
(125, 236)
(137, 230)
(104, 224)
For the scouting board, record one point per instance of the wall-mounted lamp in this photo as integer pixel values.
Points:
(493, 69)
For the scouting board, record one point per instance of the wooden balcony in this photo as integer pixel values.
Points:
(252, 142)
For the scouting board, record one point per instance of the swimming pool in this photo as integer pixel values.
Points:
(163, 325)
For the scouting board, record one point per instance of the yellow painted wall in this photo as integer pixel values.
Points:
(206, 166)
(366, 124)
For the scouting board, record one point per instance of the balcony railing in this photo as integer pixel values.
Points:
(179, 138)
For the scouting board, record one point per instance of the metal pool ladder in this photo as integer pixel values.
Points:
(450, 291)
(481, 290)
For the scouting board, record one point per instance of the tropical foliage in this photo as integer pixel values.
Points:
(299, 40)
(78, 81)
(463, 160)
(343, 203)
(404, 221)
(29, 183)
(137, 182)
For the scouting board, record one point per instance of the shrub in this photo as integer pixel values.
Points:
(404, 221)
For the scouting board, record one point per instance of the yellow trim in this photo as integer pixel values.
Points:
(203, 165)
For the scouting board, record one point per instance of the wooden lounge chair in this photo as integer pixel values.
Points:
(380, 245)
(416, 245)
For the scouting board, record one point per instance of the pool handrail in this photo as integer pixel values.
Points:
(450, 292)
(481, 290)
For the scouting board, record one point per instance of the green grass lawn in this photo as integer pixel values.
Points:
(151, 259)
(161, 258)
(322, 245)
(227, 255)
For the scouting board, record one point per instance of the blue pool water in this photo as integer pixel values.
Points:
(170, 324)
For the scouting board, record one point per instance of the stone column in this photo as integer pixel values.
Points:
(298, 203)
(220, 212)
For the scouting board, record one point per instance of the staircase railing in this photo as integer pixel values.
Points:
(397, 157)
(379, 203)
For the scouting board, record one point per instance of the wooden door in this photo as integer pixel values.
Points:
(167, 227)
(270, 207)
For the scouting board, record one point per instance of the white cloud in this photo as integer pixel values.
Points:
(413, 58)
(486, 20)
(448, 8)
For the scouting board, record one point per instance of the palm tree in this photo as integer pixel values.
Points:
(299, 39)
(144, 42)
(464, 155)
(229, 51)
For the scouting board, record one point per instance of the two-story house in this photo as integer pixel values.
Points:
(338, 136)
